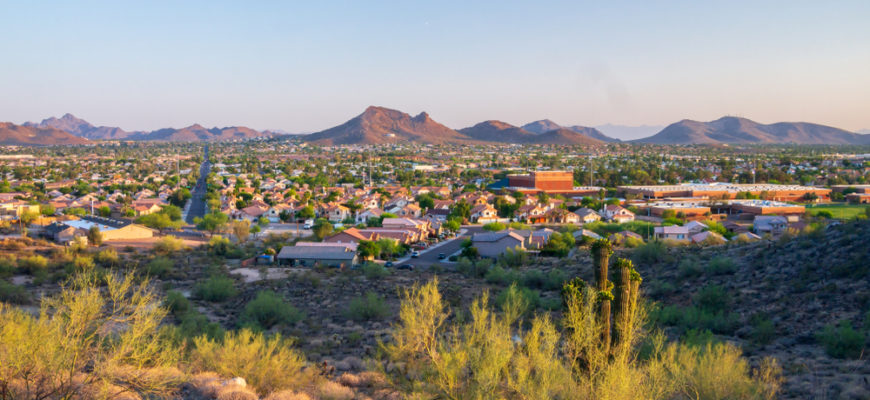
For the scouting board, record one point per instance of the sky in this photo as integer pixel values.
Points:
(307, 66)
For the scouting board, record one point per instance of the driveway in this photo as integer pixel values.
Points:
(430, 255)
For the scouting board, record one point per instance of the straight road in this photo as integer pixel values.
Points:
(430, 255)
(197, 202)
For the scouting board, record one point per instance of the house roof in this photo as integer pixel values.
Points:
(494, 236)
(336, 252)
(672, 229)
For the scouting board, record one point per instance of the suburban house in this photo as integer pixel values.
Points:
(673, 232)
(587, 215)
(368, 215)
(494, 244)
(110, 229)
(772, 224)
(336, 212)
(696, 227)
(337, 255)
(561, 216)
(484, 213)
(581, 233)
(351, 235)
(707, 235)
(615, 213)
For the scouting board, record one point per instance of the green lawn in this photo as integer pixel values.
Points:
(839, 210)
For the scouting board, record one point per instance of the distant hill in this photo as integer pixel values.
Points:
(736, 130)
(545, 125)
(628, 132)
(379, 125)
(79, 127)
(497, 131)
(11, 134)
(863, 131)
(197, 132)
(502, 132)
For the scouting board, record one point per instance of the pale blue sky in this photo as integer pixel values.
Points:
(306, 66)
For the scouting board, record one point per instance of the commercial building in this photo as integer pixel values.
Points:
(550, 182)
(720, 190)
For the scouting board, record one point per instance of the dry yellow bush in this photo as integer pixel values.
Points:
(235, 392)
(267, 364)
(499, 356)
(329, 390)
(288, 395)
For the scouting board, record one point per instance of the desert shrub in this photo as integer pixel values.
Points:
(368, 307)
(107, 257)
(88, 353)
(501, 276)
(32, 264)
(689, 268)
(193, 324)
(160, 266)
(722, 265)
(217, 288)
(329, 390)
(537, 279)
(842, 340)
(169, 244)
(473, 269)
(494, 226)
(375, 271)
(527, 300)
(514, 258)
(650, 253)
(632, 242)
(176, 303)
(693, 317)
(535, 360)
(763, 330)
(7, 266)
(267, 310)
(267, 364)
(713, 299)
(11, 293)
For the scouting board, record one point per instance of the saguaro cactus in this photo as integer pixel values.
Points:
(602, 249)
(627, 287)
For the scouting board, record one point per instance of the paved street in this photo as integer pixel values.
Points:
(430, 255)
(197, 202)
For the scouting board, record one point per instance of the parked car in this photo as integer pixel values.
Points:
(388, 264)
(442, 256)
(408, 267)
(415, 254)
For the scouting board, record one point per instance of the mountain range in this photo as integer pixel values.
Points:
(735, 130)
(81, 128)
(11, 134)
(379, 125)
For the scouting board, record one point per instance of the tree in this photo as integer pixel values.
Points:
(306, 212)
(322, 228)
(368, 249)
(179, 197)
(388, 247)
(241, 229)
(95, 237)
(159, 221)
(285, 216)
(47, 209)
(212, 222)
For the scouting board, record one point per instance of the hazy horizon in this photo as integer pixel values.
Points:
(304, 68)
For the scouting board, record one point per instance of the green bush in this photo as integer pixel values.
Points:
(473, 269)
(650, 253)
(268, 310)
(722, 265)
(32, 264)
(176, 303)
(368, 307)
(160, 266)
(713, 299)
(689, 268)
(501, 276)
(216, 289)
(763, 330)
(531, 298)
(375, 271)
(194, 324)
(842, 340)
(692, 317)
(11, 293)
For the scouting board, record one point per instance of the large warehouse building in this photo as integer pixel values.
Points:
(721, 190)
